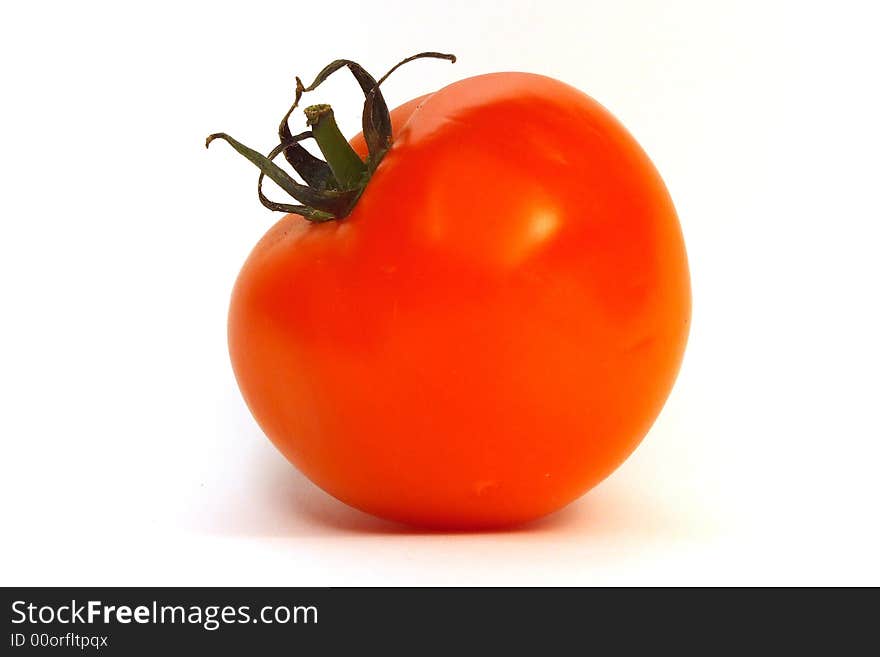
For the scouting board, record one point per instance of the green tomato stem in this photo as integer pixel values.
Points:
(346, 165)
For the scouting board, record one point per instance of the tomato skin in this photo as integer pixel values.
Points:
(491, 331)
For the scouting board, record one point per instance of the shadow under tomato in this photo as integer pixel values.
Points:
(293, 496)
(276, 500)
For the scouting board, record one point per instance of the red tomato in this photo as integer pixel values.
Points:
(494, 327)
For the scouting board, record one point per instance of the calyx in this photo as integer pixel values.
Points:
(330, 187)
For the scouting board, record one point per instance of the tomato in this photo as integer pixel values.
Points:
(494, 326)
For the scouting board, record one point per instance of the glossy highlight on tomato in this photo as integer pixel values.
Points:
(493, 328)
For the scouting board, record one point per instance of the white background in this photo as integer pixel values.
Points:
(128, 454)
